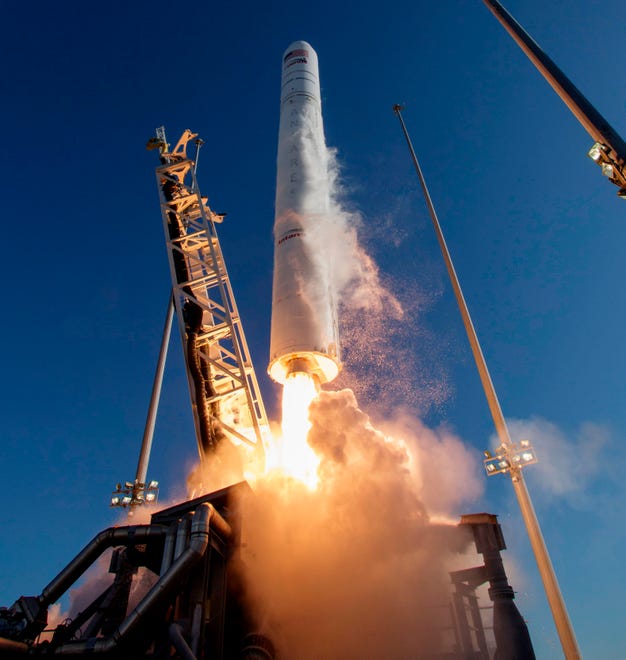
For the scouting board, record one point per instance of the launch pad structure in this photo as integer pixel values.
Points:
(174, 587)
(225, 396)
(224, 390)
(193, 603)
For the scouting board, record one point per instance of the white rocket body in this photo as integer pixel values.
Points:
(304, 334)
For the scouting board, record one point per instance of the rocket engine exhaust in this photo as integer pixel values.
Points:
(304, 333)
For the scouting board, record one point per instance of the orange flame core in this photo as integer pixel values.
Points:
(292, 455)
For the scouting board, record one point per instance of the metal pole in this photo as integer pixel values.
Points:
(609, 151)
(593, 122)
(199, 143)
(148, 434)
(546, 570)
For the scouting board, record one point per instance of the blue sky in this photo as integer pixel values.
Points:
(536, 233)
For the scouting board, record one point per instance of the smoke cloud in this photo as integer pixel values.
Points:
(225, 467)
(447, 472)
(353, 569)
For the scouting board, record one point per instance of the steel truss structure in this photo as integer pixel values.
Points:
(225, 395)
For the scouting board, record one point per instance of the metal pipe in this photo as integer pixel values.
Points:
(219, 524)
(168, 549)
(182, 535)
(593, 122)
(94, 613)
(148, 434)
(510, 629)
(199, 142)
(199, 541)
(131, 535)
(542, 557)
(196, 627)
(180, 644)
(564, 627)
(9, 647)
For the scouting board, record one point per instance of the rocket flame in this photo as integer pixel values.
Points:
(291, 454)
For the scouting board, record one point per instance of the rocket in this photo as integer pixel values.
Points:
(304, 331)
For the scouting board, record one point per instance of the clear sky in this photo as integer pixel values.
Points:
(536, 233)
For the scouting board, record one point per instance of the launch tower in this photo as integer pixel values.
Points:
(225, 395)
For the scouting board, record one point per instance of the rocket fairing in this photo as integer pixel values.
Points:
(304, 333)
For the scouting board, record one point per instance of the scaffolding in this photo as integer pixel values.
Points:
(225, 395)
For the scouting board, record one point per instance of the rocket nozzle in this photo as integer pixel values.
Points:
(300, 365)
(322, 366)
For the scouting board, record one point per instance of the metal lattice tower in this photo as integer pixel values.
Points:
(225, 395)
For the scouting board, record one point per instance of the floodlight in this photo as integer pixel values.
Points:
(127, 499)
(607, 170)
(150, 497)
(115, 501)
(595, 153)
(153, 484)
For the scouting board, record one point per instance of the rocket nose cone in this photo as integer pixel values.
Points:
(299, 45)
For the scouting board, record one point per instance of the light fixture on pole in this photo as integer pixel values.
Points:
(135, 493)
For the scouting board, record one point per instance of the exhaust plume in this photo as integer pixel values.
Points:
(352, 569)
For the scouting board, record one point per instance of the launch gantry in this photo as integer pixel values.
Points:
(225, 394)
